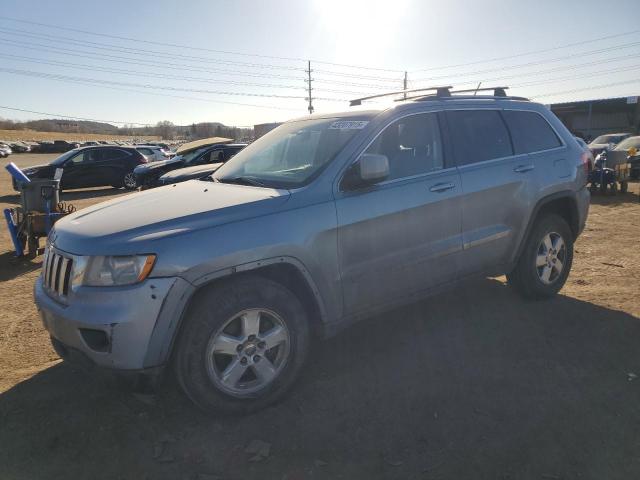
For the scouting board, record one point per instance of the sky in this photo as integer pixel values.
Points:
(244, 62)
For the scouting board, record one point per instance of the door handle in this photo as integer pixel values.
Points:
(523, 168)
(441, 187)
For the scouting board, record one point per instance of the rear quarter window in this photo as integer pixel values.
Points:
(530, 132)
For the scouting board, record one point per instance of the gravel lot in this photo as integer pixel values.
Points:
(475, 383)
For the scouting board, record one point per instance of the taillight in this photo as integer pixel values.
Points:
(586, 167)
(584, 159)
(143, 159)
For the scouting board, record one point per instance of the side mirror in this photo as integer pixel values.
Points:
(370, 168)
(373, 168)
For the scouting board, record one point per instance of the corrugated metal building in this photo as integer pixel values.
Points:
(590, 118)
(262, 128)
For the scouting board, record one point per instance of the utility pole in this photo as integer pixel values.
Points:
(405, 84)
(309, 89)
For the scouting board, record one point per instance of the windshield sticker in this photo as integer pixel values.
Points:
(349, 124)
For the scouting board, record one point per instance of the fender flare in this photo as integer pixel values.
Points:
(568, 194)
(170, 319)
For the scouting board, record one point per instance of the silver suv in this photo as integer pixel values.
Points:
(321, 222)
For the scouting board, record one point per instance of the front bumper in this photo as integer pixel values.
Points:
(126, 317)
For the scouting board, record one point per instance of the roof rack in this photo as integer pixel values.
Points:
(440, 92)
(498, 92)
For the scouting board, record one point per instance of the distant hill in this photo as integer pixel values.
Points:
(164, 129)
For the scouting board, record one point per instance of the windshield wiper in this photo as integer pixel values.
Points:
(252, 181)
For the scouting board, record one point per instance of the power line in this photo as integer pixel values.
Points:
(140, 51)
(191, 47)
(58, 115)
(135, 61)
(57, 49)
(93, 81)
(140, 85)
(591, 74)
(138, 73)
(552, 70)
(544, 50)
(587, 88)
(529, 64)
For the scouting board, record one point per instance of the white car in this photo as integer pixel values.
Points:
(154, 152)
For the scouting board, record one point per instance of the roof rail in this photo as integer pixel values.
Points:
(440, 92)
(497, 91)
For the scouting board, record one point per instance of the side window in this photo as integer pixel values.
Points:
(478, 135)
(113, 154)
(85, 157)
(412, 145)
(530, 132)
(145, 151)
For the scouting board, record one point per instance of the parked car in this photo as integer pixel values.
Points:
(92, 167)
(188, 173)
(5, 150)
(627, 151)
(147, 175)
(323, 221)
(154, 153)
(19, 147)
(586, 149)
(57, 146)
(606, 141)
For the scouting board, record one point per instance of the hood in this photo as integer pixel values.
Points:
(197, 171)
(33, 169)
(146, 167)
(129, 224)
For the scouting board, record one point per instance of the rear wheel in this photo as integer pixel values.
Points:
(545, 262)
(242, 345)
(129, 181)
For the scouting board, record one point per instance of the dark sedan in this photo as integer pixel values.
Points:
(92, 167)
(147, 176)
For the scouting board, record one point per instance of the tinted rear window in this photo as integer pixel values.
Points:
(478, 135)
(530, 132)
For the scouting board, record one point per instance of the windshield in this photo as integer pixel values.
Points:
(631, 142)
(64, 157)
(292, 154)
(189, 157)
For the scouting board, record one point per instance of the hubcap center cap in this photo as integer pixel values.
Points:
(250, 349)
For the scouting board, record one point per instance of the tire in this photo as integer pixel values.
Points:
(208, 360)
(129, 181)
(534, 280)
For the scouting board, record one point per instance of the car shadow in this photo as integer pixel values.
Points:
(12, 266)
(475, 383)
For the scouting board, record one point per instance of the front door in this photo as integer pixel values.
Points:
(78, 170)
(403, 235)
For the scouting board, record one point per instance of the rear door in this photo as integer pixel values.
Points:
(495, 186)
(402, 235)
(114, 164)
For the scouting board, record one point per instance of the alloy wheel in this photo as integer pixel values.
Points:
(551, 257)
(248, 352)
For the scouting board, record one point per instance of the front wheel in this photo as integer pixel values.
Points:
(242, 345)
(545, 262)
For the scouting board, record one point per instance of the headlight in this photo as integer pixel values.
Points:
(101, 271)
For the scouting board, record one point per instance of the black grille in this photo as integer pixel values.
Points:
(56, 273)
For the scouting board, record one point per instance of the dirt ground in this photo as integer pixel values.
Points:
(33, 135)
(471, 384)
